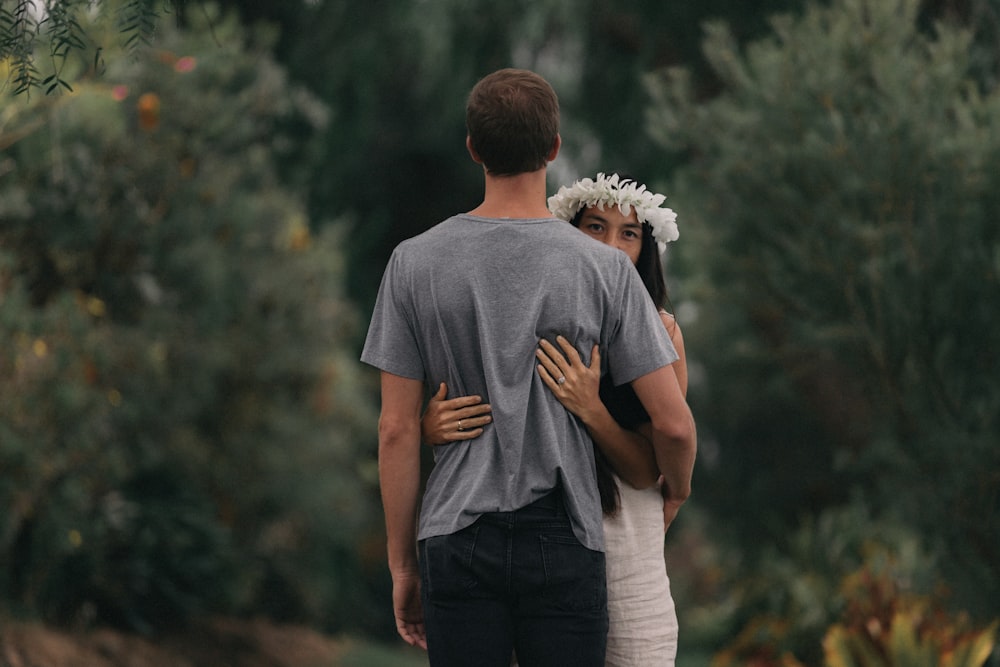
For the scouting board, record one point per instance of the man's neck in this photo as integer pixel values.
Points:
(519, 196)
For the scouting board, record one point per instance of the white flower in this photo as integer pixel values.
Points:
(626, 195)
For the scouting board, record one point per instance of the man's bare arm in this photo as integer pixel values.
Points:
(399, 479)
(673, 431)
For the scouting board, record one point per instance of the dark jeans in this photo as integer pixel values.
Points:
(514, 581)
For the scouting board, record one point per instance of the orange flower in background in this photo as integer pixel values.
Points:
(149, 111)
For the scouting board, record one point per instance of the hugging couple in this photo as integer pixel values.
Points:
(567, 446)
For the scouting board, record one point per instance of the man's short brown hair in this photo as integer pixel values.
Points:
(513, 120)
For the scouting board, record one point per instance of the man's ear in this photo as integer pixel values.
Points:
(472, 151)
(555, 149)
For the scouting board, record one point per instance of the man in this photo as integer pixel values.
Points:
(510, 541)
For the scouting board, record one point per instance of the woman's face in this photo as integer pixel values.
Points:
(614, 229)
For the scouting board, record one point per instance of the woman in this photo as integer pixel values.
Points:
(643, 624)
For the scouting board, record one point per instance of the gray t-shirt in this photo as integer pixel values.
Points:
(466, 303)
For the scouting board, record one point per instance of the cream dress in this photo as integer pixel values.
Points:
(642, 621)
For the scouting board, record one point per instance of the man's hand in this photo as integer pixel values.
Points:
(408, 610)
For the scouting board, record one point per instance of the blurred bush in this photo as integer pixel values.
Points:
(842, 589)
(840, 201)
(183, 423)
(883, 626)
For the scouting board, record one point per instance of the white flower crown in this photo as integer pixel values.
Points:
(626, 194)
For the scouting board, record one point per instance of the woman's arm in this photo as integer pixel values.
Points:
(630, 453)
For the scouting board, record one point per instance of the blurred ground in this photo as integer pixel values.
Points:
(219, 643)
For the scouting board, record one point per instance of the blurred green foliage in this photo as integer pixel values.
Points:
(839, 232)
(183, 424)
(189, 244)
(397, 74)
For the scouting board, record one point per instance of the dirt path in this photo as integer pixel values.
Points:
(219, 643)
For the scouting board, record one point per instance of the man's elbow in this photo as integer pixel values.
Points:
(678, 430)
(675, 446)
(394, 432)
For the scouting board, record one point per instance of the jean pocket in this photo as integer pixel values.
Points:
(447, 564)
(575, 577)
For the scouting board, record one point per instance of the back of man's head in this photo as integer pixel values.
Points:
(513, 120)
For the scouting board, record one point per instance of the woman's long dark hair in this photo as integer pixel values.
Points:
(650, 271)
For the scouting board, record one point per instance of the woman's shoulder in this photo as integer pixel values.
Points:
(674, 329)
(668, 318)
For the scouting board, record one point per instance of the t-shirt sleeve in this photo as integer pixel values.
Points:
(639, 344)
(391, 345)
